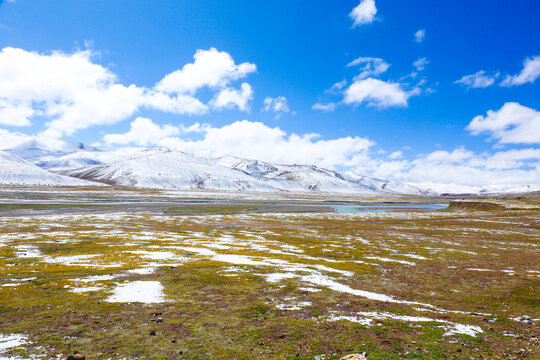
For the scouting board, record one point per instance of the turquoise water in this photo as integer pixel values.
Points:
(348, 209)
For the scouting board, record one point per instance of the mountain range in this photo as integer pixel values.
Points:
(38, 160)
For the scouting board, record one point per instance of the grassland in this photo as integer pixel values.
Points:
(239, 284)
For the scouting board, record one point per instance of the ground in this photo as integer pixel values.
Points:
(280, 279)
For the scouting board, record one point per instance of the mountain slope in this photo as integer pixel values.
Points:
(308, 177)
(16, 171)
(392, 187)
(39, 149)
(11, 139)
(169, 169)
(85, 158)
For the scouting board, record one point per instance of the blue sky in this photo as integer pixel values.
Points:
(294, 52)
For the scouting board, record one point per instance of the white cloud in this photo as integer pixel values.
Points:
(73, 93)
(365, 88)
(421, 63)
(376, 92)
(530, 72)
(456, 156)
(211, 68)
(513, 123)
(15, 114)
(509, 159)
(396, 155)
(324, 107)
(179, 104)
(230, 98)
(460, 169)
(371, 67)
(255, 140)
(479, 79)
(195, 128)
(420, 35)
(337, 86)
(277, 105)
(363, 13)
(142, 132)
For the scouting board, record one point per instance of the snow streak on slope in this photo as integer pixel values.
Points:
(11, 139)
(39, 149)
(16, 171)
(168, 169)
(87, 158)
(309, 177)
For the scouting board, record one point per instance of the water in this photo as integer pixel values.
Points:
(348, 209)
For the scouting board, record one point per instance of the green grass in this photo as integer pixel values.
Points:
(212, 313)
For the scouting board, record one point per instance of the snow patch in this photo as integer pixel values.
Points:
(147, 292)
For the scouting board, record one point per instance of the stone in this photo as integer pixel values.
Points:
(76, 356)
(361, 356)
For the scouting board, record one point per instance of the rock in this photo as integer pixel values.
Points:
(361, 356)
(76, 356)
(153, 333)
(159, 320)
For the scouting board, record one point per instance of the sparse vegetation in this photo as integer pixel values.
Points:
(264, 297)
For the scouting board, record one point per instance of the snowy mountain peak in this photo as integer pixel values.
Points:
(16, 171)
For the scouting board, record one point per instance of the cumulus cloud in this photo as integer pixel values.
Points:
(456, 156)
(179, 104)
(15, 114)
(211, 68)
(529, 73)
(421, 63)
(277, 105)
(460, 169)
(72, 92)
(513, 123)
(480, 79)
(230, 98)
(143, 132)
(365, 88)
(375, 92)
(396, 155)
(249, 140)
(370, 67)
(420, 35)
(363, 13)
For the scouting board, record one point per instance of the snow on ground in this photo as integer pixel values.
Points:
(260, 252)
(8, 342)
(390, 260)
(367, 318)
(28, 251)
(147, 292)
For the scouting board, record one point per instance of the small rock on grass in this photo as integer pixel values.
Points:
(361, 356)
(76, 356)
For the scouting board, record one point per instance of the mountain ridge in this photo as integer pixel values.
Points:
(59, 162)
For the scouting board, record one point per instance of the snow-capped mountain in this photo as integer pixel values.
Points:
(11, 139)
(479, 190)
(169, 169)
(391, 186)
(16, 171)
(38, 160)
(39, 149)
(307, 177)
(85, 158)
